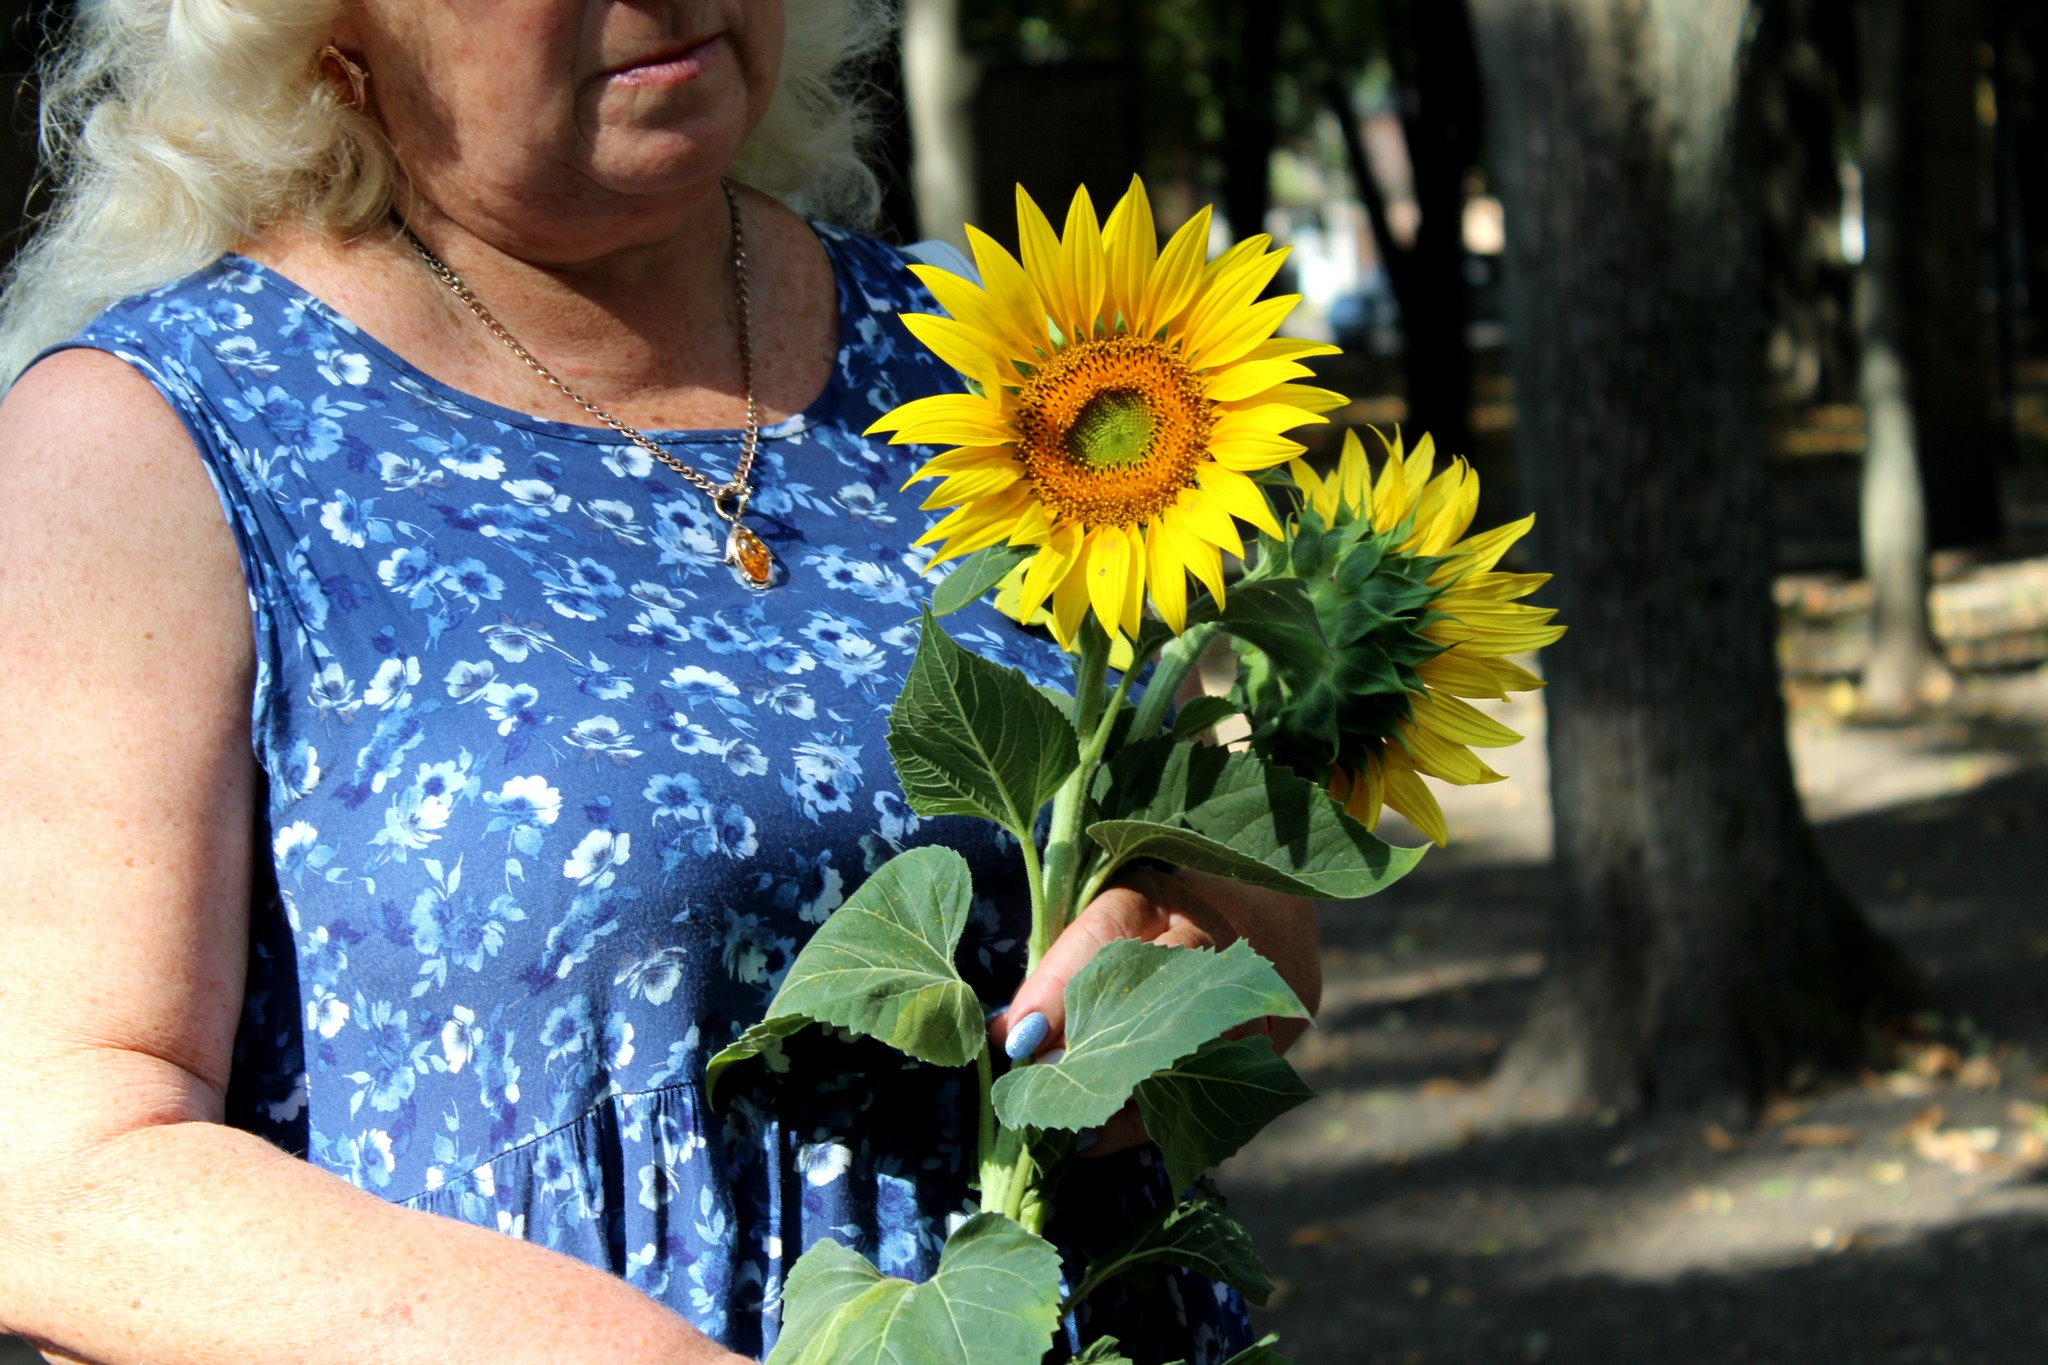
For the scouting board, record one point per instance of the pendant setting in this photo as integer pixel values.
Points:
(749, 557)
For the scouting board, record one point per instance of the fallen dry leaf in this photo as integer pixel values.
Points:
(1934, 1059)
(1782, 1111)
(1312, 1235)
(1721, 1140)
(1926, 1121)
(1960, 1149)
(1979, 1073)
(1819, 1135)
(1441, 1088)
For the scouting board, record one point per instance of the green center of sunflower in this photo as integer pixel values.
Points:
(1112, 430)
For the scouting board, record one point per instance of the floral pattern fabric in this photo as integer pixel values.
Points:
(552, 801)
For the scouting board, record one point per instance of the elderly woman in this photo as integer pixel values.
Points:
(383, 858)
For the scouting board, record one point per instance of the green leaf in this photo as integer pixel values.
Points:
(1260, 1352)
(1137, 1007)
(1278, 616)
(972, 738)
(993, 1301)
(976, 574)
(1200, 1233)
(1203, 1108)
(1198, 715)
(882, 965)
(1235, 815)
(1102, 1351)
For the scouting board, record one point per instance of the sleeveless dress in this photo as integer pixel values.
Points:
(553, 800)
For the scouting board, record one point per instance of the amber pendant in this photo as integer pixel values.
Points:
(749, 558)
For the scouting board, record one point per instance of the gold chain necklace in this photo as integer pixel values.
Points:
(746, 554)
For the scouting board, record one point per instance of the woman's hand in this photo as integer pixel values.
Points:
(1182, 909)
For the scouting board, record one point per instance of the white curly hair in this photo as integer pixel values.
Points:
(174, 129)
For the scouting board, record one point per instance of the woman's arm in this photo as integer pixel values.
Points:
(134, 1226)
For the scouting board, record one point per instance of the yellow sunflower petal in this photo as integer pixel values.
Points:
(966, 348)
(1291, 348)
(1235, 333)
(1166, 576)
(1494, 587)
(1461, 723)
(1012, 296)
(1459, 674)
(1047, 568)
(1107, 563)
(970, 485)
(1306, 397)
(1069, 607)
(1443, 760)
(1406, 794)
(1248, 379)
(1176, 275)
(976, 525)
(1354, 475)
(1130, 244)
(1039, 246)
(1507, 629)
(1318, 495)
(1239, 496)
(1201, 556)
(1081, 267)
(1480, 553)
(1202, 518)
(952, 419)
(961, 458)
(973, 306)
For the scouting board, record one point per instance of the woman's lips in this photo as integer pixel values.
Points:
(668, 67)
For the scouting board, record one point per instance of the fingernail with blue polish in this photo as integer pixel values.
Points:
(1087, 1140)
(1026, 1036)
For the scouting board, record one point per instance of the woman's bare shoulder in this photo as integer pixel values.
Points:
(103, 496)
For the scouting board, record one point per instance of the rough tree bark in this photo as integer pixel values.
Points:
(1248, 116)
(1702, 952)
(1905, 668)
(1939, 216)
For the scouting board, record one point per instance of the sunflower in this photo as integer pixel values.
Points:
(1474, 620)
(1120, 396)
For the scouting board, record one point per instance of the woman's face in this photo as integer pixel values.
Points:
(555, 125)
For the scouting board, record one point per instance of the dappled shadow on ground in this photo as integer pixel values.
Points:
(1900, 1216)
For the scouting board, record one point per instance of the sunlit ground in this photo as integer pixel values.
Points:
(1900, 1216)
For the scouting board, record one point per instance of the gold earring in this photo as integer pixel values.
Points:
(333, 59)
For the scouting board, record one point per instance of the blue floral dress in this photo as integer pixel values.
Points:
(553, 800)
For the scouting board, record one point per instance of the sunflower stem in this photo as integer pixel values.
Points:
(1176, 660)
(984, 1073)
(1054, 907)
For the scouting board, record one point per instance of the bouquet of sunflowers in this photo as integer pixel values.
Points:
(1127, 409)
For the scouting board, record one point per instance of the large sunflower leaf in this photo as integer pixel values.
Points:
(972, 738)
(1235, 815)
(993, 1301)
(882, 965)
(1278, 616)
(1200, 1233)
(1137, 1007)
(1103, 1351)
(977, 573)
(1203, 1108)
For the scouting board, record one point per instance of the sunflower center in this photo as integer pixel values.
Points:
(1113, 429)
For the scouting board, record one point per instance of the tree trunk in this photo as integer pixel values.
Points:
(938, 83)
(1441, 116)
(1939, 212)
(1702, 953)
(1905, 668)
(1248, 127)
